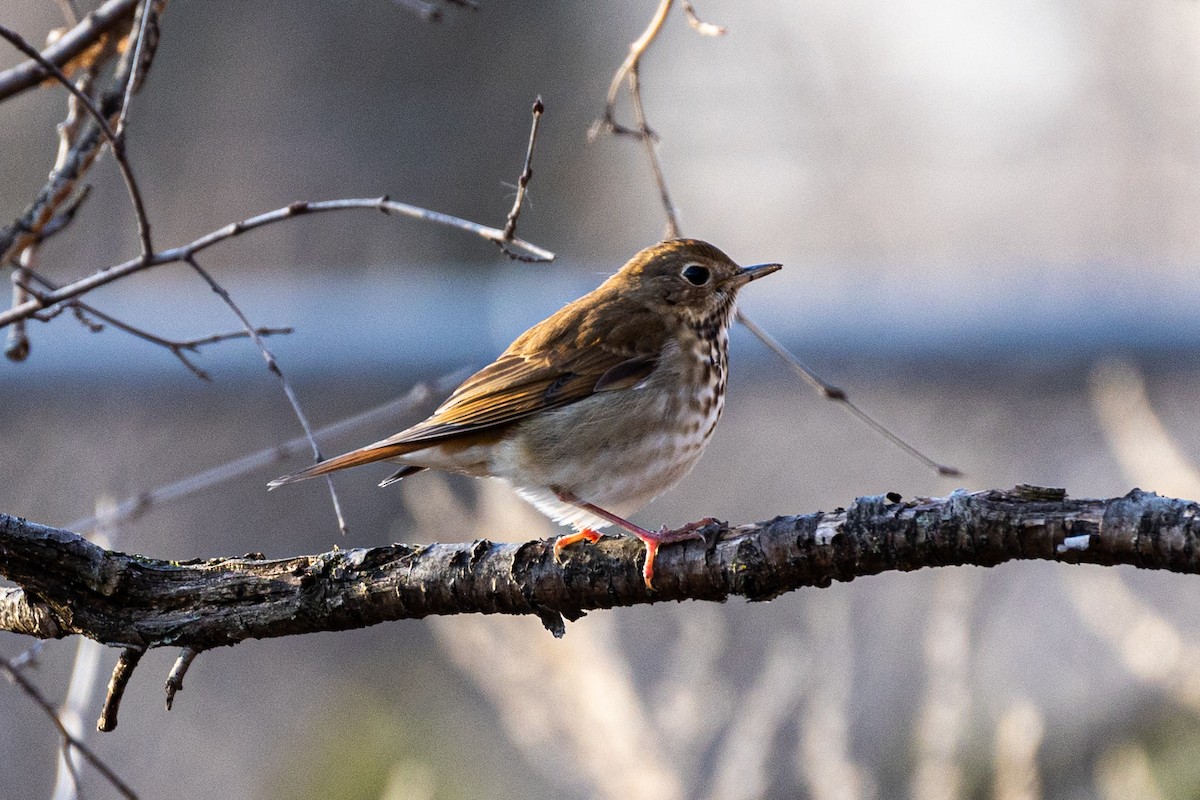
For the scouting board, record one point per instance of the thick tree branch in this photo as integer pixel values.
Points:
(70, 586)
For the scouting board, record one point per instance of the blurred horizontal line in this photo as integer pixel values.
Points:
(414, 318)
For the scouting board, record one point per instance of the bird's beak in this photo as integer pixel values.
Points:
(753, 273)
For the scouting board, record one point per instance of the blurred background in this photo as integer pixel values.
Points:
(987, 212)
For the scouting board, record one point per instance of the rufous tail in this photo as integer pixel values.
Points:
(363, 455)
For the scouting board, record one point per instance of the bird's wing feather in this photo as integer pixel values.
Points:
(560, 361)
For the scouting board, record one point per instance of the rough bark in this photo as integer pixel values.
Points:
(69, 586)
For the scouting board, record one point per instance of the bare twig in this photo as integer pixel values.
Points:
(699, 25)
(126, 663)
(175, 679)
(134, 507)
(510, 227)
(651, 144)
(273, 368)
(114, 142)
(68, 46)
(16, 345)
(40, 700)
(831, 392)
(177, 347)
(136, 73)
(79, 148)
(636, 50)
(177, 254)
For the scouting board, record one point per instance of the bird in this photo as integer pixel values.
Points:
(598, 409)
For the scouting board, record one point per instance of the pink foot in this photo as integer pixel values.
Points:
(587, 534)
(666, 536)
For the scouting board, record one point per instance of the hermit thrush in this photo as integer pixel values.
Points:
(597, 410)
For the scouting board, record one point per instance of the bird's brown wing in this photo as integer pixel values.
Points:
(570, 356)
(516, 385)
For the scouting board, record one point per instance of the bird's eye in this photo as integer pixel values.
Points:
(695, 274)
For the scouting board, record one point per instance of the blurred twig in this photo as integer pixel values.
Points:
(70, 586)
(1150, 647)
(1019, 734)
(825, 757)
(85, 669)
(1124, 772)
(747, 760)
(945, 709)
(1147, 453)
(132, 508)
(71, 44)
(40, 700)
(605, 739)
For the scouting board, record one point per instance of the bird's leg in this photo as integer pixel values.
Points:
(652, 539)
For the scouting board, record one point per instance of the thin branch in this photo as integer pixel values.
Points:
(70, 586)
(831, 392)
(175, 679)
(126, 663)
(40, 700)
(68, 46)
(273, 368)
(700, 26)
(136, 74)
(16, 344)
(510, 227)
(135, 507)
(292, 211)
(651, 144)
(636, 50)
(114, 142)
(177, 347)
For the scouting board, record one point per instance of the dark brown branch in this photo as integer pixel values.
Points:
(70, 586)
(68, 46)
(510, 226)
(126, 663)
